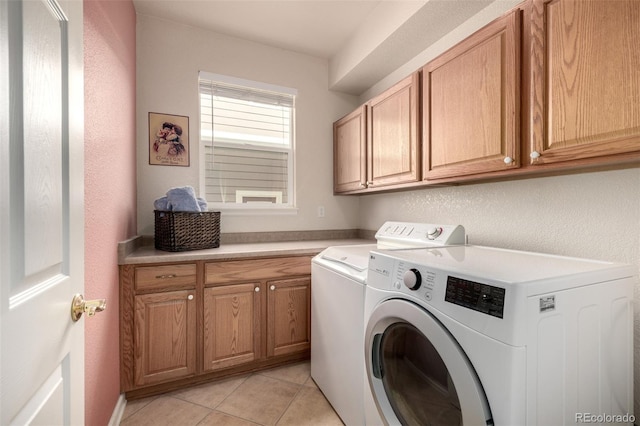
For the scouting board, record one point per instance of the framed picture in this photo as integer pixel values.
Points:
(168, 140)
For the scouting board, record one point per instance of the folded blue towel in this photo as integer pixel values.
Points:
(203, 205)
(182, 199)
(161, 204)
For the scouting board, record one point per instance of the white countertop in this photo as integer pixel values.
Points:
(148, 254)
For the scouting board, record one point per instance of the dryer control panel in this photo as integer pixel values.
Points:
(394, 235)
(477, 296)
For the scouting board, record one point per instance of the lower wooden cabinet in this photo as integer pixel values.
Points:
(244, 322)
(187, 322)
(232, 332)
(289, 316)
(164, 336)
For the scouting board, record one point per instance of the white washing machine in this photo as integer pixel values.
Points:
(482, 336)
(338, 277)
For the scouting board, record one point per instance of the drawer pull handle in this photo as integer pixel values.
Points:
(162, 277)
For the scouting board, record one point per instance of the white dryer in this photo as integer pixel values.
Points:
(482, 336)
(338, 279)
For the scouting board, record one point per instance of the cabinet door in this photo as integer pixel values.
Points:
(288, 316)
(164, 336)
(392, 135)
(349, 152)
(231, 325)
(585, 79)
(470, 103)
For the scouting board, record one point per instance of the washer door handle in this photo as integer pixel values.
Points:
(376, 364)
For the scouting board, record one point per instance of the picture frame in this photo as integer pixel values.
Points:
(168, 140)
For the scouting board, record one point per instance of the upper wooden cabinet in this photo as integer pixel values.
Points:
(350, 151)
(393, 135)
(552, 85)
(470, 103)
(585, 79)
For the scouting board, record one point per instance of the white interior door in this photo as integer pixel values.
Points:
(41, 214)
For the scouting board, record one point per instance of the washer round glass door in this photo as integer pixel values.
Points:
(417, 372)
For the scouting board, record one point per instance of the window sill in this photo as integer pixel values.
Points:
(252, 210)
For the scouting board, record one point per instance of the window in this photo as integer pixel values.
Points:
(247, 129)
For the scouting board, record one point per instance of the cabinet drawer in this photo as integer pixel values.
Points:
(246, 270)
(157, 277)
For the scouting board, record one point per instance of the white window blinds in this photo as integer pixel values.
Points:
(247, 133)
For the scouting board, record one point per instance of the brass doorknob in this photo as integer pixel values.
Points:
(80, 306)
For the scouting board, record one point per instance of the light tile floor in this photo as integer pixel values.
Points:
(280, 396)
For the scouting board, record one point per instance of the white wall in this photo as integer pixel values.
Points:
(169, 57)
(592, 215)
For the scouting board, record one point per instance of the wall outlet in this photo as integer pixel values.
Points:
(320, 211)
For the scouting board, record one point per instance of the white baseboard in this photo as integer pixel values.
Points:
(118, 411)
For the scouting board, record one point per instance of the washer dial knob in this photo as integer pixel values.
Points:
(434, 232)
(412, 279)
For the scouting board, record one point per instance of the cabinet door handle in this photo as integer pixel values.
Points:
(273, 287)
(257, 289)
(534, 155)
(190, 297)
(162, 277)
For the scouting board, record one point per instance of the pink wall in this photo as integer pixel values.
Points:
(110, 187)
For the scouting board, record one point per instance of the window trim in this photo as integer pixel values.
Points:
(247, 208)
(247, 83)
(233, 209)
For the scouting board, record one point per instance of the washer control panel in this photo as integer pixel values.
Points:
(412, 279)
(419, 282)
(423, 282)
(477, 296)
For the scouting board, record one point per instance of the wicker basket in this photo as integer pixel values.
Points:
(183, 231)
